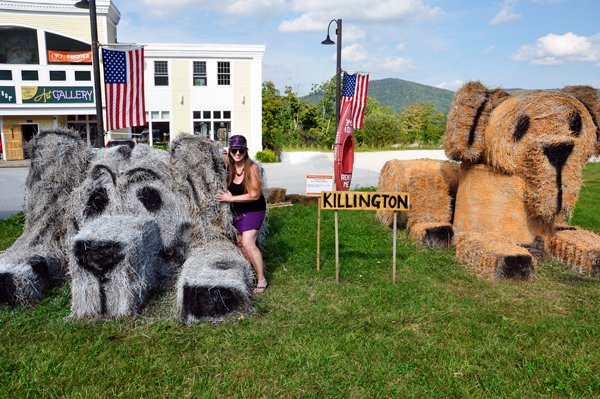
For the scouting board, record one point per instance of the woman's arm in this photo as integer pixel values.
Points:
(252, 195)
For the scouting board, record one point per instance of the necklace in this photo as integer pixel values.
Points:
(241, 173)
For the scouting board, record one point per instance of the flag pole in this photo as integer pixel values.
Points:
(97, 85)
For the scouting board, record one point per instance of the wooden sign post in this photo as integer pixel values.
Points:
(335, 200)
(315, 185)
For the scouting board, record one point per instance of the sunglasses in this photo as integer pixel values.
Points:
(234, 151)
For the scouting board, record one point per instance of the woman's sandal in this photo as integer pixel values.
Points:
(260, 289)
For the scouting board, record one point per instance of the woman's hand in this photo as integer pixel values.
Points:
(224, 196)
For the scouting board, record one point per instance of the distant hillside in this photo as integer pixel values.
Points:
(399, 94)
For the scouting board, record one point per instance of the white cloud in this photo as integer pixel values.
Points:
(548, 1)
(558, 50)
(238, 8)
(352, 33)
(450, 86)
(316, 14)
(489, 49)
(506, 14)
(400, 47)
(353, 53)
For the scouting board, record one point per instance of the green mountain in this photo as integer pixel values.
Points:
(399, 94)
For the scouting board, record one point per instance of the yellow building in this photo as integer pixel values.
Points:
(46, 79)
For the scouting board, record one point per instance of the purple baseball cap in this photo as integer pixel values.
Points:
(237, 141)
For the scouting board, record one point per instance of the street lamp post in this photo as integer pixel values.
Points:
(91, 5)
(338, 31)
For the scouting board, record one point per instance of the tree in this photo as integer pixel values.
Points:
(272, 113)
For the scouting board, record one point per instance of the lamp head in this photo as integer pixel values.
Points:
(83, 4)
(328, 40)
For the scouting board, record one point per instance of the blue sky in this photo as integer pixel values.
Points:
(533, 44)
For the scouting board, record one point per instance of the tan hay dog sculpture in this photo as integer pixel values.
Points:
(521, 158)
(120, 223)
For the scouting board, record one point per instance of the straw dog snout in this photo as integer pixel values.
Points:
(116, 262)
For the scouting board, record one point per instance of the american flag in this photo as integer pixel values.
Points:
(124, 81)
(355, 91)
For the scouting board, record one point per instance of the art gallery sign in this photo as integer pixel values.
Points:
(56, 95)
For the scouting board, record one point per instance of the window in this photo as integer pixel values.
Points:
(83, 75)
(161, 73)
(5, 75)
(18, 45)
(154, 115)
(199, 73)
(59, 43)
(165, 115)
(58, 75)
(223, 74)
(214, 128)
(86, 126)
(29, 75)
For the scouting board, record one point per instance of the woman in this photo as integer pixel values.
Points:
(249, 205)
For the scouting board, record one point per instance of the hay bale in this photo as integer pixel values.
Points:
(432, 235)
(125, 222)
(578, 248)
(431, 184)
(468, 118)
(589, 97)
(489, 202)
(301, 199)
(36, 262)
(276, 195)
(493, 258)
(215, 282)
(115, 262)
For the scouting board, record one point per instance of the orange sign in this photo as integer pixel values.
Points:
(69, 56)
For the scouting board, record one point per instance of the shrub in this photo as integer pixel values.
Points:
(265, 155)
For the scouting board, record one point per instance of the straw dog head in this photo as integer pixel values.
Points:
(544, 137)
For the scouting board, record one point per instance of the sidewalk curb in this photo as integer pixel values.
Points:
(14, 164)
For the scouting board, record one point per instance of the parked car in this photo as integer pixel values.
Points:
(128, 142)
(156, 136)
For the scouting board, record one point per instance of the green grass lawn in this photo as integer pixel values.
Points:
(439, 332)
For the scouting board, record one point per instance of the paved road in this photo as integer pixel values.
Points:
(12, 191)
(289, 174)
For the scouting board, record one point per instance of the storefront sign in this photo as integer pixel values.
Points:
(62, 95)
(69, 56)
(7, 95)
(365, 201)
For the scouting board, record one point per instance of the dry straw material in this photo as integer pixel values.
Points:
(423, 178)
(578, 248)
(492, 258)
(521, 160)
(122, 223)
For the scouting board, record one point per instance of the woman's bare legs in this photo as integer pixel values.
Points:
(251, 252)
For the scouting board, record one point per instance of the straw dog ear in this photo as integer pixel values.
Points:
(467, 120)
(200, 172)
(589, 98)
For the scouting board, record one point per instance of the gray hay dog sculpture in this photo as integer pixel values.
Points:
(121, 223)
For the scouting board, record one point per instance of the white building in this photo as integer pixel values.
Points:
(214, 90)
